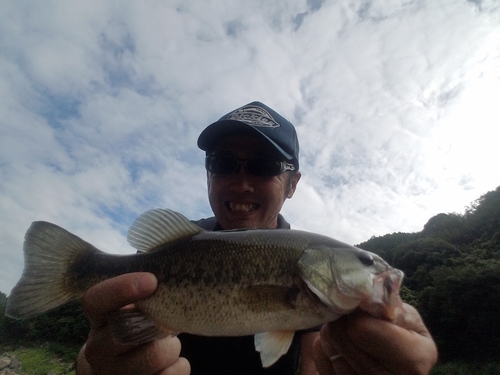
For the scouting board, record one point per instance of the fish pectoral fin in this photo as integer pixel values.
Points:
(270, 297)
(318, 293)
(272, 345)
(133, 327)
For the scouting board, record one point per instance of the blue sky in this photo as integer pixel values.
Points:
(101, 102)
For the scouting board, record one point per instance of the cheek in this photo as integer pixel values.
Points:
(286, 187)
(213, 188)
(279, 191)
(288, 191)
(213, 183)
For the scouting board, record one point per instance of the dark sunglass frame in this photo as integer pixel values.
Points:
(262, 167)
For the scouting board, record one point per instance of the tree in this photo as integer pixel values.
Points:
(461, 309)
(417, 258)
(66, 324)
(452, 270)
(446, 226)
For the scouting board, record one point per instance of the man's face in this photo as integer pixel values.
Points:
(242, 200)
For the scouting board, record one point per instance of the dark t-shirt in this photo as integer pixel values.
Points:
(234, 355)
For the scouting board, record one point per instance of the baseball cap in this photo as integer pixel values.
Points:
(258, 118)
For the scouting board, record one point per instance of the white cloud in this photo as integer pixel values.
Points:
(102, 103)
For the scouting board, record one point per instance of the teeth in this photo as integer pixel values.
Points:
(244, 207)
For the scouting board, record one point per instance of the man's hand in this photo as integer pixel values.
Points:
(102, 355)
(363, 345)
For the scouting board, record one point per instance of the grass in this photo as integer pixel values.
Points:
(42, 359)
(467, 368)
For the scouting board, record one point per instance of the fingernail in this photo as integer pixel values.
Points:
(146, 282)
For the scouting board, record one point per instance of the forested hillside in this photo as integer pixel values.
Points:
(452, 270)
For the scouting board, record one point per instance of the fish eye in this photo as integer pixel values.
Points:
(366, 259)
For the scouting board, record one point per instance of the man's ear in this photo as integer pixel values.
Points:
(294, 180)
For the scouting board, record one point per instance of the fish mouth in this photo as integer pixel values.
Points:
(392, 285)
(242, 207)
(385, 302)
(386, 286)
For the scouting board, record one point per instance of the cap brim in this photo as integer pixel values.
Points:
(220, 129)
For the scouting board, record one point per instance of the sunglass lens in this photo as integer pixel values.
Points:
(264, 167)
(220, 164)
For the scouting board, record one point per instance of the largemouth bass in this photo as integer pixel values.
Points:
(267, 283)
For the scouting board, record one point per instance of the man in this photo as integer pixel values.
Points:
(252, 168)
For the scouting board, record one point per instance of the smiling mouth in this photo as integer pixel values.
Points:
(242, 207)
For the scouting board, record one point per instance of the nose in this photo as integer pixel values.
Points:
(241, 181)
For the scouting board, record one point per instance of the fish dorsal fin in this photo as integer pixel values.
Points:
(272, 345)
(158, 227)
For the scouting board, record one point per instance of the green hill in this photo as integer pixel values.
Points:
(452, 270)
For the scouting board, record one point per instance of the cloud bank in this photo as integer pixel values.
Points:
(395, 103)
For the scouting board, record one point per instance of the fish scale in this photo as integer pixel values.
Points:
(270, 283)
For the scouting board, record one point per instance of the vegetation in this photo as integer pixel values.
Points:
(452, 275)
(467, 368)
(66, 324)
(45, 359)
(47, 344)
(452, 270)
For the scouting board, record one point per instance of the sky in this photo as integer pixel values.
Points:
(396, 104)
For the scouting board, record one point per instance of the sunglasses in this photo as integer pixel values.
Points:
(263, 167)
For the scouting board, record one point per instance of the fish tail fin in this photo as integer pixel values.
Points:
(49, 254)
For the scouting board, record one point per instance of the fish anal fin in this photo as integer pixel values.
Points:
(272, 345)
(133, 327)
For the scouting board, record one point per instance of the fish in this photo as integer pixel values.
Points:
(268, 283)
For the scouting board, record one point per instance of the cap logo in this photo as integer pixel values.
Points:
(254, 116)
